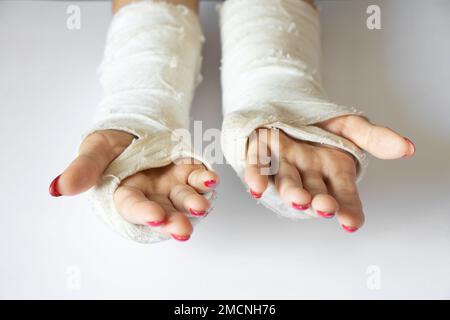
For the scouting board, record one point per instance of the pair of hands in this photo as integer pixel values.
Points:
(309, 175)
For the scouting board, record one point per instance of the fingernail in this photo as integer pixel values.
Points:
(412, 148)
(326, 215)
(255, 194)
(210, 183)
(300, 206)
(349, 229)
(180, 238)
(155, 223)
(197, 213)
(53, 189)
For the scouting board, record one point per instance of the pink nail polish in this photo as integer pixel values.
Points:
(255, 195)
(412, 148)
(53, 189)
(326, 215)
(180, 238)
(301, 207)
(210, 183)
(197, 213)
(155, 223)
(349, 229)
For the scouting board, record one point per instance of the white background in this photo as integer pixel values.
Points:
(56, 248)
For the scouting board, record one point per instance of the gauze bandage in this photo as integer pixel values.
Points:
(271, 78)
(150, 69)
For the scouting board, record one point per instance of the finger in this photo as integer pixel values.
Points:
(288, 183)
(177, 224)
(323, 204)
(256, 172)
(381, 142)
(136, 208)
(203, 180)
(185, 198)
(343, 187)
(96, 153)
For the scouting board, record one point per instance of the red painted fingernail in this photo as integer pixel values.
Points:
(197, 213)
(255, 195)
(155, 223)
(53, 189)
(180, 238)
(412, 148)
(301, 207)
(349, 229)
(210, 183)
(326, 215)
